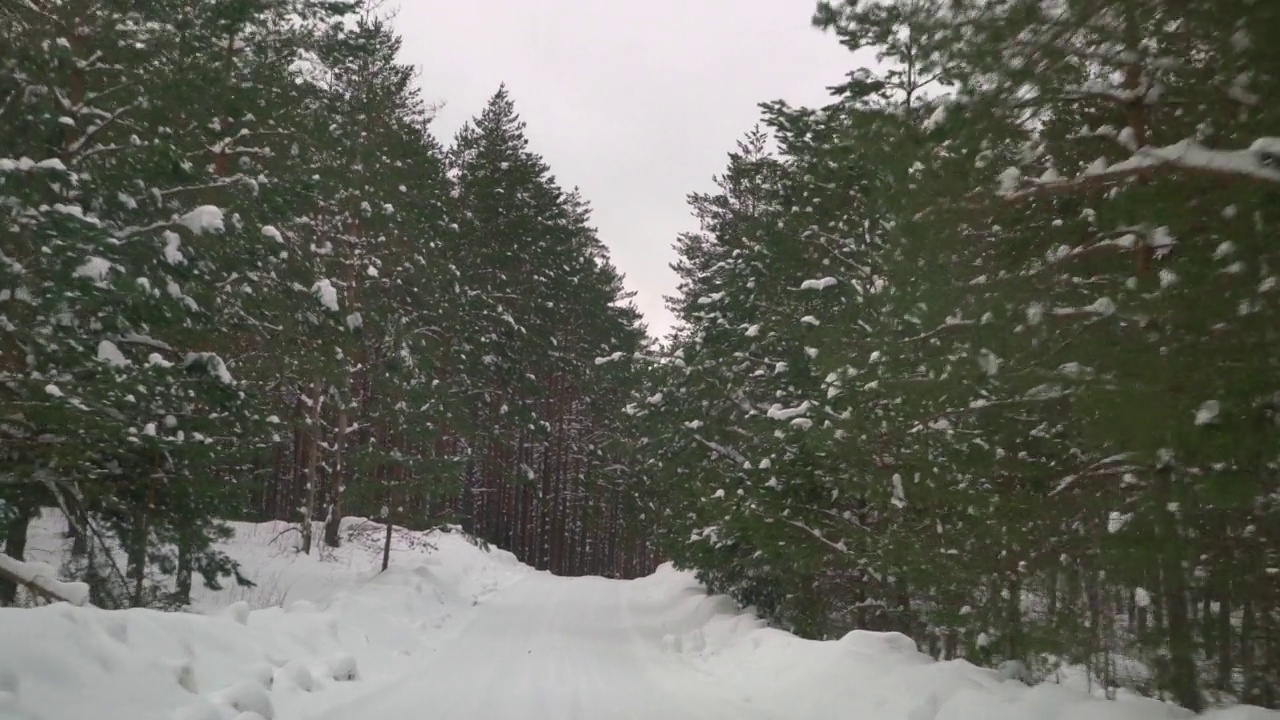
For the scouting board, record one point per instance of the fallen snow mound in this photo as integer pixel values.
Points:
(312, 632)
(454, 631)
(869, 674)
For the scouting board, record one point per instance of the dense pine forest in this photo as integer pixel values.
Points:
(241, 279)
(985, 351)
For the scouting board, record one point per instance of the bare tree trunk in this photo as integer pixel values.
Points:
(137, 556)
(183, 592)
(141, 538)
(333, 515)
(1183, 680)
(1224, 637)
(1252, 690)
(386, 541)
(313, 458)
(1014, 619)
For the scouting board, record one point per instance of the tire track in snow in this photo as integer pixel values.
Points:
(552, 648)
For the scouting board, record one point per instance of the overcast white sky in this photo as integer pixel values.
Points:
(636, 102)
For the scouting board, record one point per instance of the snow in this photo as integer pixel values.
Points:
(1009, 179)
(172, 254)
(326, 293)
(1117, 520)
(936, 118)
(94, 268)
(44, 576)
(244, 650)
(989, 362)
(778, 412)
(1207, 413)
(26, 164)
(452, 631)
(1102, 306)
(109, 353)
(818, 284)
(1189, 154)
(1265, 146)
(1255, 162)
(213, 364)
(899, 498)
(204, 219)
(271, 232)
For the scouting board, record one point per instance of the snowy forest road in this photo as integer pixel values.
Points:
(556, 648)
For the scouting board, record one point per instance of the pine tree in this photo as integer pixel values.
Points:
(1061, 382)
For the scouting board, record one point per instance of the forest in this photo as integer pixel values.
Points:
(985, 351)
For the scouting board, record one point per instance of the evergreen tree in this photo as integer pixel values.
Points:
(1052, 366)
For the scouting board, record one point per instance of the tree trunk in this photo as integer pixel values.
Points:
(313, 459)
(1224, 638)
(333, 516)
(1014, 620)
(1252, 690)
(1183, 682)
(137, 556)
(182, 595)
(15, 546)
(386, 541)
(141, 537)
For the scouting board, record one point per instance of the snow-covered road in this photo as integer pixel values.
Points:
(551, 648)
(454, 632)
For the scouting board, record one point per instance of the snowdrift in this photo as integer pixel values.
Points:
(313, 631)
(322, 637)
(868, 674)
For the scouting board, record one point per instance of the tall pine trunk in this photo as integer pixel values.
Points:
(1183, 682)
(333, 514)
(386, 540)
(186, 543)
(137, 555)
(313, 460)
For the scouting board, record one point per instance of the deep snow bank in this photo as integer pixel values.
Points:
(313, 632)
(327, 634)
(865, 674)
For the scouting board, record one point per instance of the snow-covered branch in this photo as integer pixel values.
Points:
(837, 546)
(945, 326)
(1257, 163)
(219, 183)
(1107, 467)
(41, 580)
(92, 132)
(728, 453)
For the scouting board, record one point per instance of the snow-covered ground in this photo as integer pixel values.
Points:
(454, 632)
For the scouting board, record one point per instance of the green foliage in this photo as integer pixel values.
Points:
(241, 279)
(1036, 398)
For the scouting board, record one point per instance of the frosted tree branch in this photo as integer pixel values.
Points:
(728, 453)
(1254, 164)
